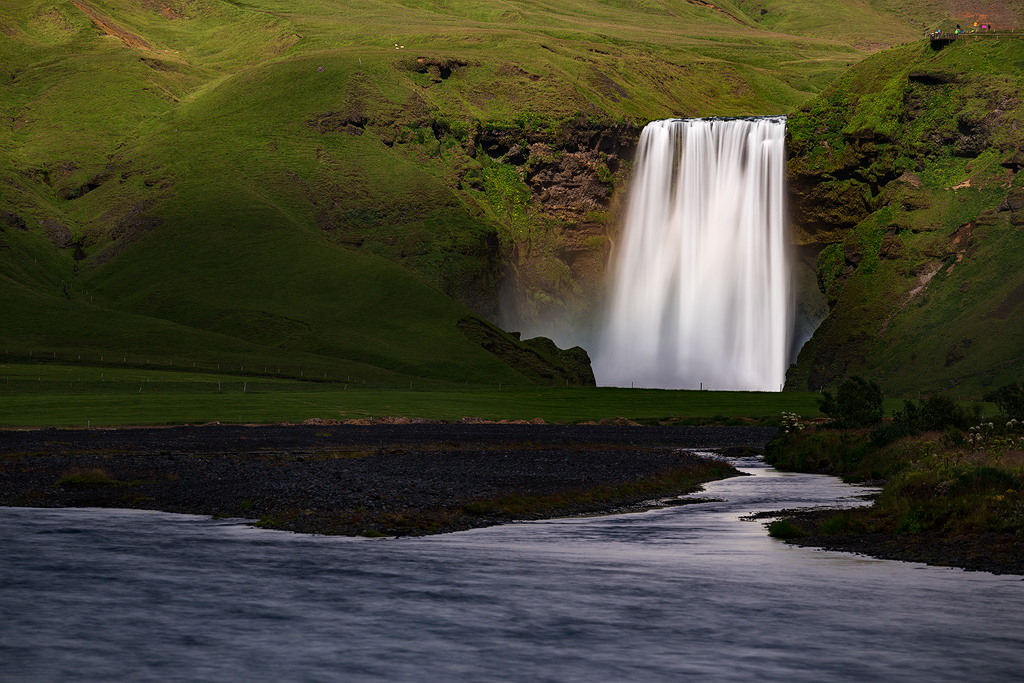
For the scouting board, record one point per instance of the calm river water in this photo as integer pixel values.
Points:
(682, 594)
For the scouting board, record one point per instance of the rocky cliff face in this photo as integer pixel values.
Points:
(905, 174)
(557, 191)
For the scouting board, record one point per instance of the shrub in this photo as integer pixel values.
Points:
(858, 402)
(842, 524)
(785, 528)
(837, 425)
(935, 412)
(909, 416)
(953, 437)
(940, 411)
(1009, 399)
(807, 451)
(984, 481)
(885, 434)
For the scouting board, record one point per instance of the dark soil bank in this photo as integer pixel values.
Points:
(394, 479)
(999, 553)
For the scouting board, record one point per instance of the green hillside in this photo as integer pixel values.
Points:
(909, 166)
(345, 184)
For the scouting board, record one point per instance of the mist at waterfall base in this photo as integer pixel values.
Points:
(700, 287)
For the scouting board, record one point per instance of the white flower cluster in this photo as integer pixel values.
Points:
(977, 435)
(791, 422)
(1018, 442)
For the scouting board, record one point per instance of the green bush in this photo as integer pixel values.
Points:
(935, 412)
(984, 481)
(887, 433)
(1009, 399)
(937, 493)
(953, 437)
(785, 528)
(940, 411)
(818, 451)
(842, 524)
(858, 402)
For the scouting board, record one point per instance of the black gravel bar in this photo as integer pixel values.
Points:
(318, 438)
(351, 479)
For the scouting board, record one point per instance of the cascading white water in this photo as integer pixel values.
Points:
(700, 288)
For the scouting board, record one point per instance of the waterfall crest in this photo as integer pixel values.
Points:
(700, 287)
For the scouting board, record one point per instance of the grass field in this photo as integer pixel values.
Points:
(76, 395)
(176, 405)
(46, 394)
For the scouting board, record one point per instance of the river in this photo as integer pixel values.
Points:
(677, 594)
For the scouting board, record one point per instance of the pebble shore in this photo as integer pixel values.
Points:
(352, 479)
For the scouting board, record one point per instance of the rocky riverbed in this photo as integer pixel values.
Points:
(417, 478)
(349, 479)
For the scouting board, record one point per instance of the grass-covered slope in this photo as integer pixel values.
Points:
(909, 167)
(949, 497)
(332, 179)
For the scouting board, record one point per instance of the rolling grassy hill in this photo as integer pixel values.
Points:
(324, 183)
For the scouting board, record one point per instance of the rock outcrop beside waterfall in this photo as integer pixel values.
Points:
(556, 189)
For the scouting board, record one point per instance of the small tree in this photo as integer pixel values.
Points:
(938, 411)
(1009, 399)
(858, 402)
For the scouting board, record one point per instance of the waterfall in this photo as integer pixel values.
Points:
(700, 285)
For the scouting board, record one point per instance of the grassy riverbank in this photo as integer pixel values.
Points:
(949, 497)
(77, 394)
